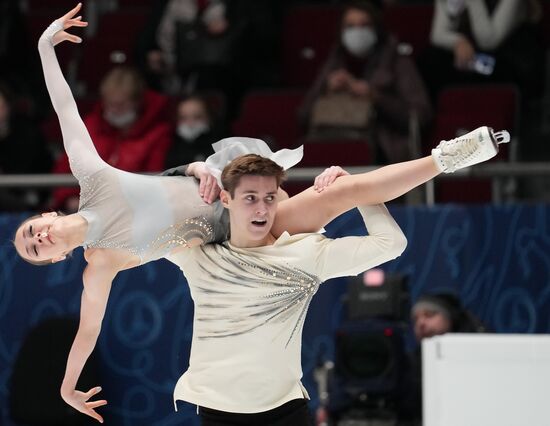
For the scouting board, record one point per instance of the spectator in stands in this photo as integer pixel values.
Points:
(22, 150)
(369, 85)
(19, 68)
(197, 45)
(182, 31)
(433, 314)
(196, 131)
(479, 41)
(129, 127)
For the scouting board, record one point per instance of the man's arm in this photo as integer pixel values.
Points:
(352, 255)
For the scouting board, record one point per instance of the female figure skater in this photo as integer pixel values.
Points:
(125, 220)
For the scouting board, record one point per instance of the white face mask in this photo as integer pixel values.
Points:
(190, 133)
(120, 120)
(359, 40)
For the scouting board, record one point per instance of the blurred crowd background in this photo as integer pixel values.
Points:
(358, 83)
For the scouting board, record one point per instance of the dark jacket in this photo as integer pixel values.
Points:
(398, 90)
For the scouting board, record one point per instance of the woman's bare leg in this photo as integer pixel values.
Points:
(311, 210)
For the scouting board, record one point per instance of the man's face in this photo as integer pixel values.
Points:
(252, 210)
(429, 323)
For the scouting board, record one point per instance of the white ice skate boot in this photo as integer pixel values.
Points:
(472, 148)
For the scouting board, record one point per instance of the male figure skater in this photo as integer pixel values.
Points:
(251, 295)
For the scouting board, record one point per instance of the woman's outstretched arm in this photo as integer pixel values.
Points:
(97, 277)
(80, 149)
(311, 210)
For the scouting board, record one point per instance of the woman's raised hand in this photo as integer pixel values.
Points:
(68, 20)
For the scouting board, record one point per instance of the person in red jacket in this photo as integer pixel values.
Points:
(129, 127)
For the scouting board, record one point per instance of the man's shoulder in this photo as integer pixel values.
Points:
(195, 252)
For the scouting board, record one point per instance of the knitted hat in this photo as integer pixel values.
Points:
(444, 303)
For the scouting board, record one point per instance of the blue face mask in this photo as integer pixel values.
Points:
(359, 40)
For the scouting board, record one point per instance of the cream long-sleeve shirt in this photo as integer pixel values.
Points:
(488, 30)
(250, 305)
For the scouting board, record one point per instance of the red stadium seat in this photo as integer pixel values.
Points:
(56, 8)
(325, 153)
(272, 116)
(50, 126)
(461, 109)
(308, 35)
(127, 4)
(343, 152)
(113, 44)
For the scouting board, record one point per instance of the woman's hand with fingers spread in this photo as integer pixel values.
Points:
(328, 177)
(208, 187)
(68, 20)
(79, 401)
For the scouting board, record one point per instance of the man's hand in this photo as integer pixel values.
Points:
(79, 401)
(328, 177)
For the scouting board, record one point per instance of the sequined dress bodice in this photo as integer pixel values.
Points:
(146, 215)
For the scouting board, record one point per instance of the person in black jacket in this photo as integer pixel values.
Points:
(196, 130)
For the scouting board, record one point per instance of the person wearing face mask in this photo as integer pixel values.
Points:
(129, 126)
(367, 65)
(196, 131)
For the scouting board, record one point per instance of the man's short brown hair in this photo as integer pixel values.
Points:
(250, 165)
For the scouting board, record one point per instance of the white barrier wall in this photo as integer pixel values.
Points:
(486, 380)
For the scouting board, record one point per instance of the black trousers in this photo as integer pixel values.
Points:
(292, 413)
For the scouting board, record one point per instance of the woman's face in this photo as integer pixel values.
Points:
(357, 18)
(193, 119)
(120, 109)
(358, 33)
(191, 113)
(38, 239)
